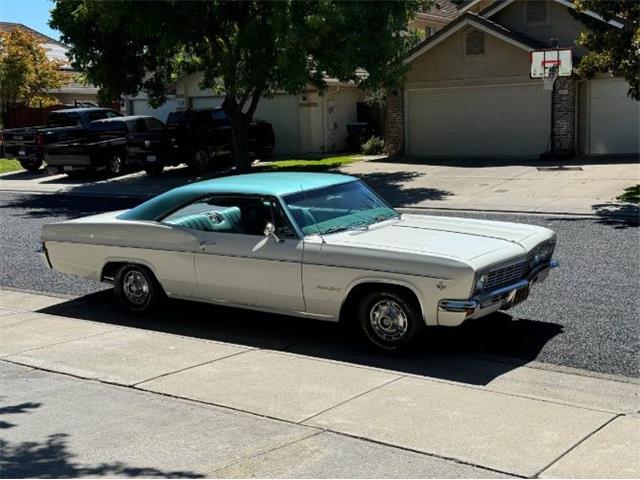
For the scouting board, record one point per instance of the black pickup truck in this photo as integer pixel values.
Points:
(27, 145)
(116, 144)
(202, 135)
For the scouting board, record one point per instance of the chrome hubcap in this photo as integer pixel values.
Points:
(115, 165)
(388, 320)
(136, 287)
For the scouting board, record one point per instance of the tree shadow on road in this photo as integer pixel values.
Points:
(475, 353)
(51, 458)
(68, 206)
(392, 187)
(618, 215)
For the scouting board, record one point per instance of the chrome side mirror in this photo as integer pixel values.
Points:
(270, 231)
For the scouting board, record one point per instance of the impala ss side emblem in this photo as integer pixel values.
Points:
(441, 285)
(331, 289)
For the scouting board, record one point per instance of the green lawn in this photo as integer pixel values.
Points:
(308, 165)
(7, 165)
(631, 194)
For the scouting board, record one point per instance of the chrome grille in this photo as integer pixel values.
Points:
(503, 276)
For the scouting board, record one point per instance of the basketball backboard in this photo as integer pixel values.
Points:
(546, 62)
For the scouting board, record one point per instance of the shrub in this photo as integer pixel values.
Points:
(373, 146)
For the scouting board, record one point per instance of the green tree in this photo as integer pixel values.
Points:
(246, 50)
(26, 74)
(611, 49)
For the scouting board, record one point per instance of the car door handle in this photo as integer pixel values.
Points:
(204, 244)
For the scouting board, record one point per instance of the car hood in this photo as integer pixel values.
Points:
(459, 238)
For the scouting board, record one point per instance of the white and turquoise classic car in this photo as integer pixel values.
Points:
(322, 246)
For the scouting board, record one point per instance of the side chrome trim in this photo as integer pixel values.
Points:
(257, 308)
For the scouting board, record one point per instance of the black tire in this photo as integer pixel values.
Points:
(389, 319)
(31, 165)
(155, 170)
(137, 288)
(201, 161)
(115, 166)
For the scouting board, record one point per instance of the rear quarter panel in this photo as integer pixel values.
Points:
(83, 247)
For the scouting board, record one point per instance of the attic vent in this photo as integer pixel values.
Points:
(475, 42)
(536, 11)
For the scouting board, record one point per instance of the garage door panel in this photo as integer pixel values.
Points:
(498, 120)
(614, 122)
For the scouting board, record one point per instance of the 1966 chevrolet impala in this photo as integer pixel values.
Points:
(322, 246)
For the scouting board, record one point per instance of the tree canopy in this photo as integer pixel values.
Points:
(26, 74)
(611, 49)
(245, 50)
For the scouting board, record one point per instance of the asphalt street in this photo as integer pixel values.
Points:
(584, 316)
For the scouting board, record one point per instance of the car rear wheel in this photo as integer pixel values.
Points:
(115, 166)
(31, 165)
(137, 288)
(200, 162)
(389, 319)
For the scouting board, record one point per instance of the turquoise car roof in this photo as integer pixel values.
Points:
(274, 184)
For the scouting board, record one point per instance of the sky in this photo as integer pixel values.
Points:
(32, 13)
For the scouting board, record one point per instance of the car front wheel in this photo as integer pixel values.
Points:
(137, 288)
(115, 166)
(389, 319)
(200, 162)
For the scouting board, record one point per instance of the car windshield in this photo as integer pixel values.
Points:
(337, 208)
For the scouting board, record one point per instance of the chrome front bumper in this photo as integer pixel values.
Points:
(499, 299)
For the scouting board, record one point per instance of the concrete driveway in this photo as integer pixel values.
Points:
(275, 401)
(590, 187)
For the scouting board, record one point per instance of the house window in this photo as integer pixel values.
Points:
(475, 42)
(536, 11)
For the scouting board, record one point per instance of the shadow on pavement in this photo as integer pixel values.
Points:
(475, 353)
(51, 458)
(390, 186)
(618, 215)
(68, 206)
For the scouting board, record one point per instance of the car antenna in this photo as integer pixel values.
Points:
(312, 217)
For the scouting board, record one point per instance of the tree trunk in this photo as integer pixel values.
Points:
(240, 128)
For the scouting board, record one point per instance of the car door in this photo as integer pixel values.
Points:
(235, 262)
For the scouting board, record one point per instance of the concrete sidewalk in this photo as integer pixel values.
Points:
(134, 397)
(589, 188)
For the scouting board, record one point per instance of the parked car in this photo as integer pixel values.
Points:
(115, 144)
(320, 246)
(203, 135)
(28, 144)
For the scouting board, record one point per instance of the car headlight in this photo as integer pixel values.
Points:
(542, 253)
(481, 281)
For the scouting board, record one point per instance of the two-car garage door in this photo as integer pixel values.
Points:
(478, 121)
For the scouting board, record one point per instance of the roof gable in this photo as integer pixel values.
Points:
(471, 19)
(501, 4)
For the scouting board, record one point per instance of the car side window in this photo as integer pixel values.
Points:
(234, 215)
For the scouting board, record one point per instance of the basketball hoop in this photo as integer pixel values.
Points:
(551, 63)
(550, 77)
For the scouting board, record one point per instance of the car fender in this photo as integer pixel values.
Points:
(387, 281)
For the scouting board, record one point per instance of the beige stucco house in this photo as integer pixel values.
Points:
(304, 123)
(469, 93)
